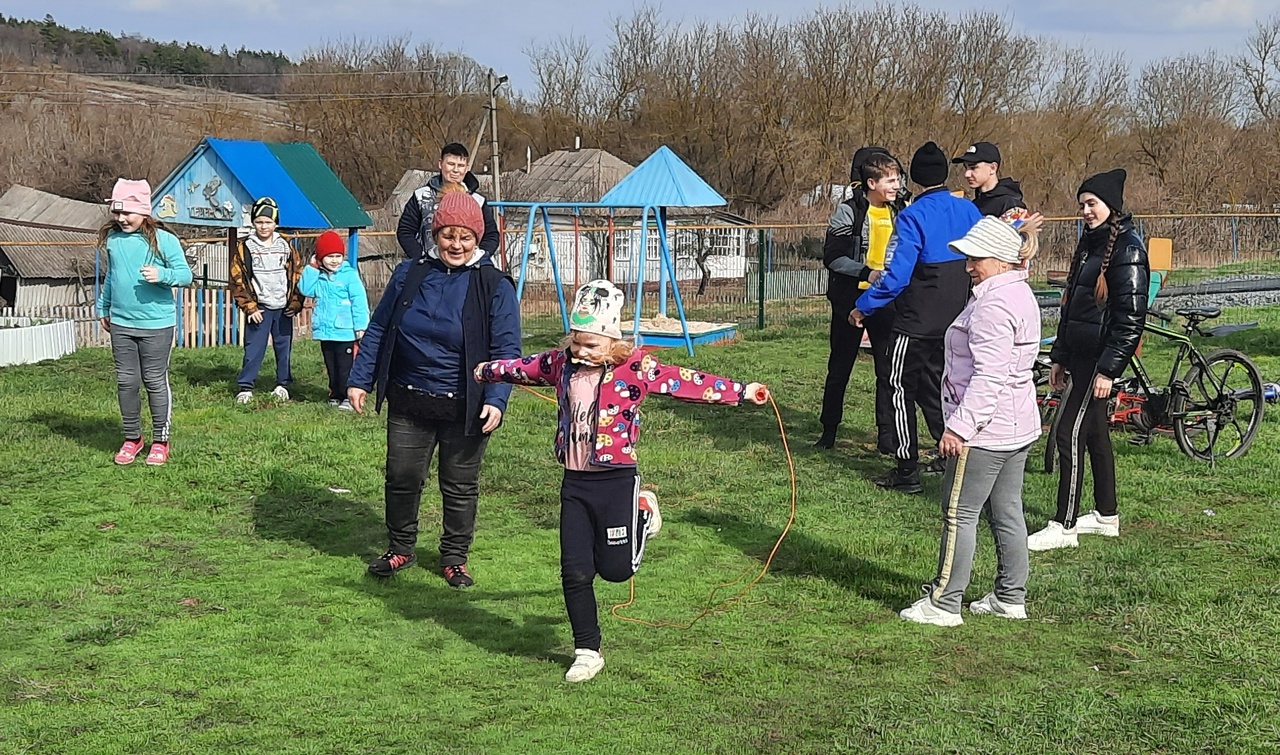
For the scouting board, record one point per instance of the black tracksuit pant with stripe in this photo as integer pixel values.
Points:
(602, 531)
(1082, 426)
(915, 379)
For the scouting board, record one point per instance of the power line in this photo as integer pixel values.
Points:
(107, 74)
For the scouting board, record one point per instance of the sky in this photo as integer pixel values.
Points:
(497, 33)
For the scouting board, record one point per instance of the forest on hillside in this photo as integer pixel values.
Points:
(764, 109)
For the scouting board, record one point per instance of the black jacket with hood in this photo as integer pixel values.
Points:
(414, 229)
(1107, 334)
(844, 248)
(1004, 196)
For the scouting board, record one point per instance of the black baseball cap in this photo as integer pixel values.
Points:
(981, 152)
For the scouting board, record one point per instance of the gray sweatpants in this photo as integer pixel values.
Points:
(977, 479)
(142, 358)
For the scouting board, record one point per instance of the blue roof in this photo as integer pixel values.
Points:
(263, 176)
(663, 180)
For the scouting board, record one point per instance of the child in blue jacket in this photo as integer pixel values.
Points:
(341, 311)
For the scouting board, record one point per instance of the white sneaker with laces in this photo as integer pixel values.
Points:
(1052, 537)
(281, 393)
(992, 605)
(244, 397)
(649, 502)
(923, 611)
(334, 402)
(1094, 523)
(345, 406)
(586, 664)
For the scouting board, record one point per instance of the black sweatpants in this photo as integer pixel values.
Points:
(1082, 426)
(602, 531)
(915, 378)
(338, 356)
(880, 331)
(846, 342)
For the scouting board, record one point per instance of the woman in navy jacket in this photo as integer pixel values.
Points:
(441, 315)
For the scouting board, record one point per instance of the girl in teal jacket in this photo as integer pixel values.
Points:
(341, 311)
(144, 263)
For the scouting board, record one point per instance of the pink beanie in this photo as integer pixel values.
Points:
(131, 196)
(459, 208)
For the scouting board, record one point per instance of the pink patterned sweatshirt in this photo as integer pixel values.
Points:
(622, 388)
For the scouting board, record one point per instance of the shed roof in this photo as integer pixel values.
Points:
(34, 206)
(307, 191)
(566, 175)
(60, 253)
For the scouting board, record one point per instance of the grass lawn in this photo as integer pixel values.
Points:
(220, 604)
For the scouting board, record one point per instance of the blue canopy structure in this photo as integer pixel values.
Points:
(663, 180)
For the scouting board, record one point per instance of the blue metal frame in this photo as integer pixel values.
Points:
(666, 268)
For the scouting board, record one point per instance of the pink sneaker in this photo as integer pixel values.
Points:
(159, 454)
(129, 451)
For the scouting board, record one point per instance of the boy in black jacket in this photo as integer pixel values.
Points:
(854, 255)
(992, 194)
(414, 229)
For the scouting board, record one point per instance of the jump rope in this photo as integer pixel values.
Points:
(745, 589)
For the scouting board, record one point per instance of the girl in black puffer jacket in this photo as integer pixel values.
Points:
(1103, 311)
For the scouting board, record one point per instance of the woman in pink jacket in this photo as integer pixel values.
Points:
(989, 403)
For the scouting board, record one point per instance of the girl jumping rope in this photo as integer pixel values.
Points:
(600, 381)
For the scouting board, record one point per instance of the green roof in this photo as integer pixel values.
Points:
(325, 190)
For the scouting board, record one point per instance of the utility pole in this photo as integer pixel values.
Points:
(495, 81)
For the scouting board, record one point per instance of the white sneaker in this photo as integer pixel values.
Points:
(334, 402)
(281, 393)
(586, 664)
(1051, 537)
(244, 397)
(649, 502)
(923, 611)
(345, 406)
(992, 605)
(1094, 523)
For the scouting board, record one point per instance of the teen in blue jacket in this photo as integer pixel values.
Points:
(442, 314)
(929, 287)
(341, 312)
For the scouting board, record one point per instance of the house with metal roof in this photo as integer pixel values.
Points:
(47, 248)
(216, 184)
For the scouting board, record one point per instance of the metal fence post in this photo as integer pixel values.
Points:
(760, 274)
(1235, 240)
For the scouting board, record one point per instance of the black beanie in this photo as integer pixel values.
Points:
(1109, 187)
(929, 166)
(859, 159)
(266, 207)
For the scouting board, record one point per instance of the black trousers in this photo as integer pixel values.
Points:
(338, 356)
(915, 379)
(846, 341)
(411, 442)
(1082, 427)
(602, 532)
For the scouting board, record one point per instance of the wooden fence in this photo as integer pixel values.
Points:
(206, 317)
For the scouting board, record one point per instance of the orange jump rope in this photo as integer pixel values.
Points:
(745, 589)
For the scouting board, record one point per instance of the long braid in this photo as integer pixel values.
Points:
(1100, 288)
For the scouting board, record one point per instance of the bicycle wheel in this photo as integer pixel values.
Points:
(1220, 409)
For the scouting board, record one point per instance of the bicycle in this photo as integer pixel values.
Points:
(1197, 408)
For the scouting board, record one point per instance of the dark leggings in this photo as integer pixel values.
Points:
(1082, 426)
(602, 532)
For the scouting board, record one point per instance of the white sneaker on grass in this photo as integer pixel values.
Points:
(649, 502)
(992, 605)
(1094, 523)
(923, 611)
(244, 397)
(281, 393)
(586, 664)
(334, 402)
(346, 406)
(1052, 537)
